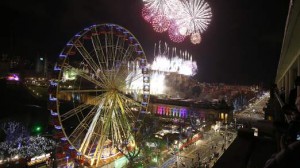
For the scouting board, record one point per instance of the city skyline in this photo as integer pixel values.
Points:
(242, 45)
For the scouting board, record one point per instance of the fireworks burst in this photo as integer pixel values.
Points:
(190, 17)
(195, 38)
(195, 16)
(160, 23)
(165, 63)
(147, 14)
(174, 34)
(168, 8)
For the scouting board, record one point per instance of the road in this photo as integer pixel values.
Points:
(254, 111)
(214, 142)
(202, 150)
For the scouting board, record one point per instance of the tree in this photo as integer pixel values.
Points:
(131, 148)
(14, 130)
(196, 91)
(134, 145)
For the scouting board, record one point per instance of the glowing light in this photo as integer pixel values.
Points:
(183, 30)
(176, 64)
(164, 64)
(13, 77)
(174, 34)
(160, 23)
(195, 38)
(157, 83)
(181, 63)
(38, 128)
(69, 75)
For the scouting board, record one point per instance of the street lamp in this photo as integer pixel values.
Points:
(67, 157)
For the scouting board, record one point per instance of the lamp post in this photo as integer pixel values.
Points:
(235, 123)
(67, 157)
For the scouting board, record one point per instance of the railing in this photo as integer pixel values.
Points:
(279, 100)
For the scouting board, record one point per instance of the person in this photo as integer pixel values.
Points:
(294, 125)
(282, 93)
(293, 93)
(290, 143)
(288, 157)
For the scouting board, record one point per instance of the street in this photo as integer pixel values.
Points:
(202, 150)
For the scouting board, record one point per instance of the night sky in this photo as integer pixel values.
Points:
(241, 45)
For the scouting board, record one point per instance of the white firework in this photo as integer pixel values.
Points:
(166, 60)
(168, 8)
(195, 16)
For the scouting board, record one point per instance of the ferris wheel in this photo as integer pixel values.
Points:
(101, 92)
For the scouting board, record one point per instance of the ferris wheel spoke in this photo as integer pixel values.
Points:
(123, 103)
(119, 130)
(86, 76)
(123, 57)
(98, 47)
(83, 91)
(74, 111)
(118, 49)
(87, 139)
(134, 81)
(85, 54)
(99, 52)
(111, 58)
(80, 108)
(128, 54)
(78, 132)
(96, 68)
(82, 126)
(101, 57)
(129, 100)
(115, 126)
(107, 50)
(105, 128)
(112, 47)
(99, 123)
(134, 77)
(125, 64)
(125, 122)
(91, 79)
(93, 141)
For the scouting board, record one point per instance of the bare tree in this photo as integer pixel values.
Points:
(13, 130)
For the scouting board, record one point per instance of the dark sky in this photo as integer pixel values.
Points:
(241, 45)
